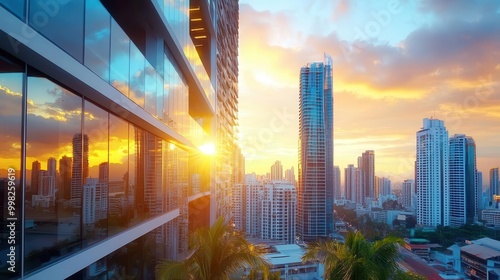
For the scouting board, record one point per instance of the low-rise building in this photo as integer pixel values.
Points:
(491, 216)
(287, 260)
(419, 246)
(481, 259)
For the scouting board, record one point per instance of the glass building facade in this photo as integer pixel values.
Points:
(315, 185)
(463, 180)
(103, 108)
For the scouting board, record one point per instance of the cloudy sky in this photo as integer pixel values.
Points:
(395, 63)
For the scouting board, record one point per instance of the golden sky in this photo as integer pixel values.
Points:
(395, 63)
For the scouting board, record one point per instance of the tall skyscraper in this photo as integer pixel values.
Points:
(238, 167)
(336, 183)
(479, 192)
(65, 169)
(104, 172)
(52, 167)
(368, 167)
(315, 186)
(433, 188)
(226, 15)
(494, 183)
(35, 173)
(462, 180)
(80, 170)
(277, 171)
(349, 183)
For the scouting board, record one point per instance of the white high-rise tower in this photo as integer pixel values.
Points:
(433, 201)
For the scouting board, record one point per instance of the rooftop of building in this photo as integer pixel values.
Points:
(286, 254)
(416, 241)
(488, 242)
(480, 251)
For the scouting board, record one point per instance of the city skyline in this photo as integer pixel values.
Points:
(391, 70)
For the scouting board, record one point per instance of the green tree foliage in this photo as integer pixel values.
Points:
(447, 236)
(356, 258)
(217, 252)
(391, 205)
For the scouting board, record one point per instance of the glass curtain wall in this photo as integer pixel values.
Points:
(91, 174)
(11, 100)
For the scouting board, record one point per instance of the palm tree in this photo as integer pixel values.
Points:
(217, 252)
(356, 258)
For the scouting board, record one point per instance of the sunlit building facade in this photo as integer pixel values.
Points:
(104, 107)
(432, 174)
(226, 106)
(315, 184)
(367, 165)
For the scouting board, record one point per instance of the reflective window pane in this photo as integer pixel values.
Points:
(176, 189)
(11, 81)
(61, 22)
(120, 60)
(145, 174)
(137, 75)
(15, 6)
(159, 97)
(97, 38)
(52, 221)
(96, 185)
(175, 97)
(120, 196)
(132, 261)
(151, 89)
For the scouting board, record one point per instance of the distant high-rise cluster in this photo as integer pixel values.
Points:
(361, 186)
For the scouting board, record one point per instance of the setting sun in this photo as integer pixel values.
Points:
(207, 148)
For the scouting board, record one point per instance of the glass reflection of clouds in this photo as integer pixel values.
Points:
(120, 59)
(10, 127)
(97, 39)
(52, 102)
